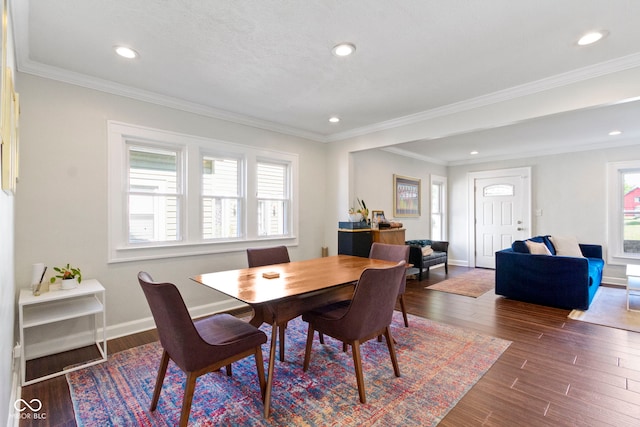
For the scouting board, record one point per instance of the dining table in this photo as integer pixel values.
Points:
(281, 292)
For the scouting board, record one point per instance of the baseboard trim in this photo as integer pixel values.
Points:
(85, 338)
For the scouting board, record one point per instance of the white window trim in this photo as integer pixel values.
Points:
(615, 205)
(192, 243)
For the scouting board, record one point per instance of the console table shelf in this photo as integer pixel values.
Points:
(88, 299)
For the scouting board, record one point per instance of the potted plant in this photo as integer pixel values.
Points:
(70, 276)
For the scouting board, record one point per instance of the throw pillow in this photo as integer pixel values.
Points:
(566, 246)
(426, 251)
(537, 248)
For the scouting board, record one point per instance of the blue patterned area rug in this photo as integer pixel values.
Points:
(438, 363)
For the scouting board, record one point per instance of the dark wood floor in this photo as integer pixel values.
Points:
(556, 372)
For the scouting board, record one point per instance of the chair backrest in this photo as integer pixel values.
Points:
(373, 301)
(258, 257)
(176, 330)
(389, 252)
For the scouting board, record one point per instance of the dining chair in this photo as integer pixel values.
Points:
(260, 257)
(395, 253)
(197, 347)
(367, 316)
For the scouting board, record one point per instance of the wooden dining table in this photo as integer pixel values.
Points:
(281, 292)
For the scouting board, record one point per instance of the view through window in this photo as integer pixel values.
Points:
(631, 212)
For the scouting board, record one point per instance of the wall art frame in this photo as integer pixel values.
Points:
(406, 196)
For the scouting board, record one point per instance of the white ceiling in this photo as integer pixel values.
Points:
(269, 64)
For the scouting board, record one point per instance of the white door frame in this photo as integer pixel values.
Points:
(472, 177)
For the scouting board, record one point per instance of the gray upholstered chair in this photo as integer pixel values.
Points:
(259, 257)
(393, 253)
(368, 315)
(198, 347)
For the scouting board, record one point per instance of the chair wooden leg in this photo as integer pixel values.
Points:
(357, 363)
(281, 329)
(404, 311)
(229, 370)
(307, 349)
(392, 351)
(344, 347)
(260, 368)
(188, 397)
(321, 337)
(162, 369)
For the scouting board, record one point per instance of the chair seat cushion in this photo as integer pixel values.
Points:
(223, 329)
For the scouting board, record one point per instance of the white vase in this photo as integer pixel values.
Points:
(355, 217)
(69, 283)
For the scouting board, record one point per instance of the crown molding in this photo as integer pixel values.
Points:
(20, 13)
(411, 154)
(559, 80)
(601, 145)
(77, 79)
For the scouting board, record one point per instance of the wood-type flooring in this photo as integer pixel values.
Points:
(557, 371)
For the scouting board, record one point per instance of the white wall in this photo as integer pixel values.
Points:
(61, 203)
(7, 299)
(570, 189)
(373, 172)
(8, 382)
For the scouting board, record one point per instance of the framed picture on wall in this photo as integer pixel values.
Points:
(406, 196)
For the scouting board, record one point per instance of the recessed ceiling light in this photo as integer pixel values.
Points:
(591, 37)
(343, 49)
(473, 153)
(334, 119)
(615, 132)
(126, 52)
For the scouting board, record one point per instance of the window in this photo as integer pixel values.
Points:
(175, 195)
(624, 211)
(221, 198)
(438, 207)
(154, 194)
(273, 198)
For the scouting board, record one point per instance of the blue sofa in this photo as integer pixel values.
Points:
(555, 281)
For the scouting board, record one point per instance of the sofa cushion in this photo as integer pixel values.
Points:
(566, 246)
(520, 246)
(537, 248)
(426, 250)
(422, 243)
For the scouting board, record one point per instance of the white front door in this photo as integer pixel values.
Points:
(501, 214)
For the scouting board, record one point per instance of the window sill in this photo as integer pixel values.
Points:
(140, 253)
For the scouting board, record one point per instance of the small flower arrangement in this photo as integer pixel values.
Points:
(67, 272)
(362, 210)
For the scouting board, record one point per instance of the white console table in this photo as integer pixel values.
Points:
(88, 299)
(633, 283)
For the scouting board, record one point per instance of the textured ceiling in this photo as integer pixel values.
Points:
(269, 63)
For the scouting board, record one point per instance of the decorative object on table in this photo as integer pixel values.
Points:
(406, 196)
(39, 270)
(70, 277)
(359, 214)
(440, 364)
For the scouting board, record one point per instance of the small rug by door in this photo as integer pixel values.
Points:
(473, 283)
(438, 363)
(609, 308)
